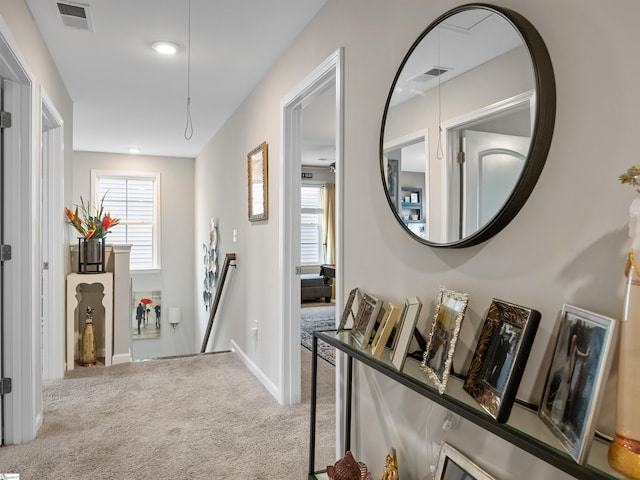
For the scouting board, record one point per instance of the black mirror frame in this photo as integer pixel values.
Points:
(545, 109)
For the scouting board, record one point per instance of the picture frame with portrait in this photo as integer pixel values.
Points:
(574, 387)
(443, 336)
(500, 357)
(366, 317)
(453, 465)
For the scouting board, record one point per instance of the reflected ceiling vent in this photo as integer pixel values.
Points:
(433, 72)
(75, 15)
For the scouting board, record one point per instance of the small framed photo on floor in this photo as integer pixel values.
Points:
(447, 320)
(500, 357)
(404, 331)
(578, 372)
(368, 310)
(453, 465)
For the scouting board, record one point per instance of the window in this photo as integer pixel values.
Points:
(132, 198)
(311, 251)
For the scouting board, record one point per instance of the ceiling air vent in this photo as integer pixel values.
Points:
(75, 15)
(433, 72)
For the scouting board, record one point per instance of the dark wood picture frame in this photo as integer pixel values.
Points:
(575, 384)
(500, 357)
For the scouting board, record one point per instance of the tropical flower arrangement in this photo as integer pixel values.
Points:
(90, 224)
(632, 177)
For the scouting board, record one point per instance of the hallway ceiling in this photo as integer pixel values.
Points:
(126, 95)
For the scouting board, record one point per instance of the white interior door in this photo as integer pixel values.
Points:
(493, 164)
(2, 203)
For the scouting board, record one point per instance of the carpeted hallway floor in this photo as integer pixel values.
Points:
(199, 417)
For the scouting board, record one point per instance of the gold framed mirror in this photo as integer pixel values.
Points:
(257, 162)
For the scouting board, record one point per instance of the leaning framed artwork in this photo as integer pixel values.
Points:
(500, 357)
(384, 330)
(146, 315)
(404, 331)
(453, 465)
(368, 310)
(258, 180)
(347, 313)
(447, 320)
(574, 387)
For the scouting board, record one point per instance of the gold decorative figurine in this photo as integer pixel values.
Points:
(88, 341)
(390, 471)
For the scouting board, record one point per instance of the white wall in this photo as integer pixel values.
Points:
(567, 245)
(175, 279)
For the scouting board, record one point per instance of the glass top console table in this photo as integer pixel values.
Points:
(524, 428)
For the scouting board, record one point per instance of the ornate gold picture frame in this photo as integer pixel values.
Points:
(500, 357)
(447, 320)
(258, 182)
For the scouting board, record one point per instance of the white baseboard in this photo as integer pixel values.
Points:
(121, 358)
(268, 384)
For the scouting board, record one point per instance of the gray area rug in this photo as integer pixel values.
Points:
(318, 318)
(199, 417)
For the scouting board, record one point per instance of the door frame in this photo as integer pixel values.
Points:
(21, 361)
(52, 158)
(331, 70)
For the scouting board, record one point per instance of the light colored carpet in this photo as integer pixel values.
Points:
(199, 417)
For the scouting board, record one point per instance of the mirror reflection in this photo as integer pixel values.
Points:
(458, 126)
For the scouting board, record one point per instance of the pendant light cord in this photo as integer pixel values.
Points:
(188, 129)
(439, 151)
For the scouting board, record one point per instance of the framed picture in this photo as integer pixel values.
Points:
(404, 331)
(500, 357)
(257, 161)
(392, 182)
(384, 330)
(579, 369)
(146, 315)
(348, 310)
(368, 310)
(453, 465)
(414, 198)
(447, 320)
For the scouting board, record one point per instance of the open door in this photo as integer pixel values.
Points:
(325, 76)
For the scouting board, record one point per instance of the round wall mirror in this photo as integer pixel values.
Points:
(467, 126)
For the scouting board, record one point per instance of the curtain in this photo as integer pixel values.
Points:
(329, 230)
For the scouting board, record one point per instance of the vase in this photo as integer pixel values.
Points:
(88, 344)
(624, 450)
(91, 253)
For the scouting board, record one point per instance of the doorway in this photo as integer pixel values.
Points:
(51, 228)
(325, 77)
(22, 408)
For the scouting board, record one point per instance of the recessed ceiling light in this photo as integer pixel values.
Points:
(134, 150)
(166, 48)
